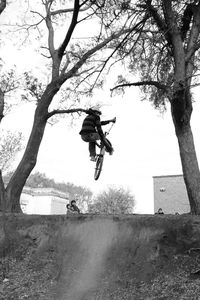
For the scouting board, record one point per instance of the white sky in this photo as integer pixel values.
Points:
(144, 141)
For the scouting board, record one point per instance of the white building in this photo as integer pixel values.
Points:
(43, 201)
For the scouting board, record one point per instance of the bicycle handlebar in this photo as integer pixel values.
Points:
(107, 132)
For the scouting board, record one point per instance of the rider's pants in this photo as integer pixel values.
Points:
(91, 138)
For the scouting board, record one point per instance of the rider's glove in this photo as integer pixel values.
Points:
(113, 120)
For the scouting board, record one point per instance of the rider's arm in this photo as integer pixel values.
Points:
(108, 121)
(105, 122)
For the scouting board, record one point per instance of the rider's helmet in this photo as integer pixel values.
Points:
(95, 109)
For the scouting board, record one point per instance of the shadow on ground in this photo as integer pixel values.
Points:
(90, 257)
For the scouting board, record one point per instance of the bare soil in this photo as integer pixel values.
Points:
(99, 257)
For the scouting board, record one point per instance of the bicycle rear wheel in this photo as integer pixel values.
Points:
(98, 168)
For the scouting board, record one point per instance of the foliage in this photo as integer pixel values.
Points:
(81, 194)
(113, 201)
(10, 145)
(148, 51)
(33, 87)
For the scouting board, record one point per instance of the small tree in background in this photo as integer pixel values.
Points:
(10, 145)
(113, 201)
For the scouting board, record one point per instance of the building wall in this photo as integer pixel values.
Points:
(43, 201)
(170, 194)
(58, 206)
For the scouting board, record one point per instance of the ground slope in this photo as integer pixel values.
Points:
(93, 257)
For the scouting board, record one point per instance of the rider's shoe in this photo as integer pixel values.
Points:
(93, 158)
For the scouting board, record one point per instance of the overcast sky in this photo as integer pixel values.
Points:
(144, 142)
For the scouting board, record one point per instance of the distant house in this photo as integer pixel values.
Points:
(170, 194)
(44, 201)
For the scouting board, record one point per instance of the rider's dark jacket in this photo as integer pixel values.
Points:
(92, 123)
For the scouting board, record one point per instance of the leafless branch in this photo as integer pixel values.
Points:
(2, 5)
(1, 104)
(50, 30)
(141, 83)
(66, 10)
(89, 53)
(71, 29)
(65, 111)
(136, 27)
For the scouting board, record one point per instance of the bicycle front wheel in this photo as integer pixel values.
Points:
(98, 168)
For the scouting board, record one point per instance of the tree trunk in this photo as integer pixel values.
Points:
(15, 186)
(181, 113)
(28, 162)
(2, 193)
(190, 168)
(1, 104)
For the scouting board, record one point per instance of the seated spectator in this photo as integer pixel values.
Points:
(160, 212)
(72, 208)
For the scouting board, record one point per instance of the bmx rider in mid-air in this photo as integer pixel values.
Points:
(91, 131)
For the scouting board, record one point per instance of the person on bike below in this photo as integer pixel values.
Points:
(91, 131)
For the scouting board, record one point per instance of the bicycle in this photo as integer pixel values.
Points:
(100, 156)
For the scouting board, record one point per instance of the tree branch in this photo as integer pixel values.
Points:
(90, 52)
(66, 10)
(2, 5)
(140, 83)
(51, 31)
(2, 103)
(70, 30)
(194, 33)
(159, 21)
(121, 43)
(65, 111)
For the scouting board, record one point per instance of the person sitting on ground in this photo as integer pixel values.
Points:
(160, 212)
(72, 208)
(91, 131)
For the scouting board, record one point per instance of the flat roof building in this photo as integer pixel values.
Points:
(43, 201)
(170, 194)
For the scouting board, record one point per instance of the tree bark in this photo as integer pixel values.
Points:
(1, 104)
(190, 168)
(29, 159)
(181, 109)
(2, 193)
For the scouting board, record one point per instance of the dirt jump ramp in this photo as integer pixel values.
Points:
(100, 257)
(107, 257)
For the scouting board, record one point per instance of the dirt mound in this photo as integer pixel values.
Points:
(99, 257)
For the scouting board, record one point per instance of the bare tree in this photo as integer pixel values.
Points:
(71, 65)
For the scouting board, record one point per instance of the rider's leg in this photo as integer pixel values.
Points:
(92, 149)
(92, 145)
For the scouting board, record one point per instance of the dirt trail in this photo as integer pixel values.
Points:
(83, 263)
